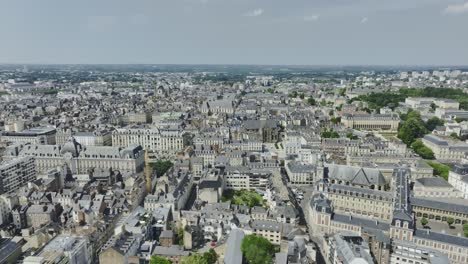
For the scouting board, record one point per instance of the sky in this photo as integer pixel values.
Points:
(278, 32)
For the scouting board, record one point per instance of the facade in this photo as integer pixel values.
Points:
(405, 252)
(164, 139)
(39, 215)
(458, 178)
(445, 150)
(303, 174)
(41, 136)
(375, 122)
(348, 248)
(16, 173)
(240, 177)
(268, 229)
(434, 188)
(81, 159)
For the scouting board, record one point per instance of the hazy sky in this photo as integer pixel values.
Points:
(306, 32)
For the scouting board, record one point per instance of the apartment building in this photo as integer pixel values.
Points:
(15, 173)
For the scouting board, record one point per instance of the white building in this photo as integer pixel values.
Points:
(458, 178)
(16, 173)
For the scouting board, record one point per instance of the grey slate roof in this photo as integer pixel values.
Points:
(440, 205)
(233, 254)
(445, 238)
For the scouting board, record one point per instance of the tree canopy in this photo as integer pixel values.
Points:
(243, 197)
(412, 128)
(421, 150)
(257, 250)
(159, 260)
(161, 166)
(440, 169)
(194, 259)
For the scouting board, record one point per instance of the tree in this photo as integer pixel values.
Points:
(302, 96)
(421, 150)
(412, 128)
(465, 229)
(159, 260)
(450, 221)
(311, 101)
(210, 256)
(180, 236)
(424, 221)
(433, 122)
(439, 169)
(335, 120)
(454, 135)
(194, 259)
(257, 250)
(350, 135)
(161, 167)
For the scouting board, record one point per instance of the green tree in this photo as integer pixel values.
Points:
(465, 229)
(450, 221)
(257, 250)
(210, 256)
(439, 169)
(161, 167)
(335, 120)
(433, 122)
(421, 150)
(412, 128)
(180, 236)
(454, 135)
(424, 221)
(350, 135)
(194, 259)
(311, 101)
(302, 96)
(159, 260)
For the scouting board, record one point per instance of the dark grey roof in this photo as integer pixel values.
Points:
(445, 238)
(445, 205)
(356, 175)
(233, 254)
(365, 223)
(433, 182)
(435, 140)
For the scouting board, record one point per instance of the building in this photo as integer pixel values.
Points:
(241, 177)
(407, 252)
(39, 215)
(303, 174)
(445, 150)
(163, 139)
(40, 136)
(233, 253)
(75, 249)
(81, 159)
(268, 229)
(458, 178)
(372, 122)
(434, 187)
(16, 173)
(348, 248)
(119, 248)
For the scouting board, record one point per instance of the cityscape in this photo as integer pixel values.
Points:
(259, 151)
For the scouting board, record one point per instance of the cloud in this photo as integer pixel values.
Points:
(311, 18)
(254, 13)
(364, 20)
(101, 23)
(456, 9)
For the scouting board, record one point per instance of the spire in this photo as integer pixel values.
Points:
(148, 173)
